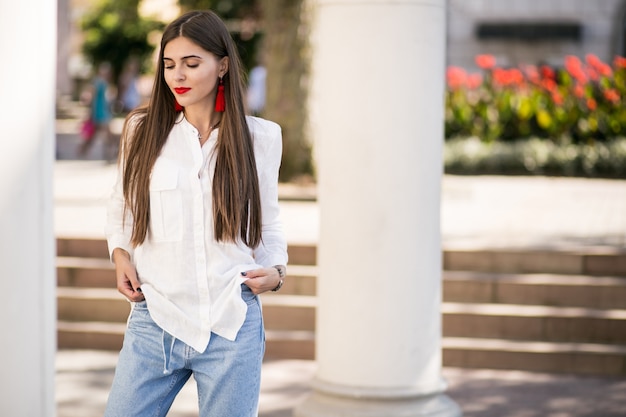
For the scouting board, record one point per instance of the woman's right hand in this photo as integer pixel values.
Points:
(126, 274)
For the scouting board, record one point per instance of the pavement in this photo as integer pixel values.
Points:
(476, 212)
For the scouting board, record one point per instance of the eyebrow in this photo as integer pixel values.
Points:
(183, 58)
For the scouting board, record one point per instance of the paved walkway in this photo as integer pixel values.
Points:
(477, 212)
(83, 379)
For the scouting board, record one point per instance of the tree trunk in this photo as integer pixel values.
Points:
(286, 60)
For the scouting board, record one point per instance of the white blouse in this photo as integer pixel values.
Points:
(191, 282)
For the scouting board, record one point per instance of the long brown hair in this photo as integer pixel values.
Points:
(236, 199)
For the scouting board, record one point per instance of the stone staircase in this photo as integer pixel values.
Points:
(526, 310)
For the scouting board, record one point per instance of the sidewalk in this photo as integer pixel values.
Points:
(477, 212)
(84, 377)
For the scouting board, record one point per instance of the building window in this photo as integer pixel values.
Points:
(529, 31)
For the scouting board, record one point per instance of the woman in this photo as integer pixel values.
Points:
(193, 230)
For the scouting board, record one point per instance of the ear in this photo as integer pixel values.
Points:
(224, 65)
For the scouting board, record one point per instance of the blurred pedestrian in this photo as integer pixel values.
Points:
(99, 114)
(256, 89)
(194, 231)
(129, 95)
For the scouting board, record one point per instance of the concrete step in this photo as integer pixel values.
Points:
(91, 305)
(290, 344)
(301, 280)
(82, 247)
(577, 358)
(84, 272)
(458, 286)
(539, 323)
(529, 310)
(535, 289)
(103, 305)
(279, 344)
(284, 312)
(289, 312)
(80, 272)
(90, 335)
(76, 247)
(595, 261)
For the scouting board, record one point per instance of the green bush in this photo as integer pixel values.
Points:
(536, 156)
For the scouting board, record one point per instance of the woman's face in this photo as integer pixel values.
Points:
(192, 73)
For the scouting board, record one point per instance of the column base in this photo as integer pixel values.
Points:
(324, 405)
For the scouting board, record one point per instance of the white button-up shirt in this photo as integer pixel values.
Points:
(191, 282)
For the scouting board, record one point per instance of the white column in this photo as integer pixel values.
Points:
(27, 135)
(377, 119)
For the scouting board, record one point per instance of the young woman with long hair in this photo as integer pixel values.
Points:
(194, 232)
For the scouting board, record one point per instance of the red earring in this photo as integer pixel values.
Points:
(177, 106)
(220, 102)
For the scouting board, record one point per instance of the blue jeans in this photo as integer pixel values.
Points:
(153, 366)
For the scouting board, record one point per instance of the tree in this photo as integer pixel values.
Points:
(285, 48)
(114, 33)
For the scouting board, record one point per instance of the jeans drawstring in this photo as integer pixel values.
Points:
(168, 346)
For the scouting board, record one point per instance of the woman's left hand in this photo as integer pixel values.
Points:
(262, 279)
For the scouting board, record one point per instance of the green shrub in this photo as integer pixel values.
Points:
(536, 156)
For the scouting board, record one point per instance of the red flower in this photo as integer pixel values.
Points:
(572, 63)
(592, 104)
(574, 67)
(548, 72)
(605, 70)
(549, 84)
(557, 98)
(456, 77)
(485, 61)
(619, 62)
(474, 81)
(532, 73)
(593, 60)
(506, 77)
(598, 66)
(611, 95)
(579, 91)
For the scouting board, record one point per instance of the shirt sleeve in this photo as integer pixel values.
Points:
(119, 222)
(268, 148)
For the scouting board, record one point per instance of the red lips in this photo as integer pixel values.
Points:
(181, 90)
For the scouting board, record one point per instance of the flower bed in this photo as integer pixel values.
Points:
(574, 114)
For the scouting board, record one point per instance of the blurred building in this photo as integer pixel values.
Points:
(534, 31)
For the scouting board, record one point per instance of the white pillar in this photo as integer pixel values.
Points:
(27, 285)
(377, 119)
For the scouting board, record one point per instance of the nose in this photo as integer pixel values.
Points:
(179, 73)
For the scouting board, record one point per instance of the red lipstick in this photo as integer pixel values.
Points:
(181, 90)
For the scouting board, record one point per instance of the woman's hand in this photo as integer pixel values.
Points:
(262, 279)
(126, 274)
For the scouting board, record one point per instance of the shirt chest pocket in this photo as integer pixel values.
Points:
(166, 204)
